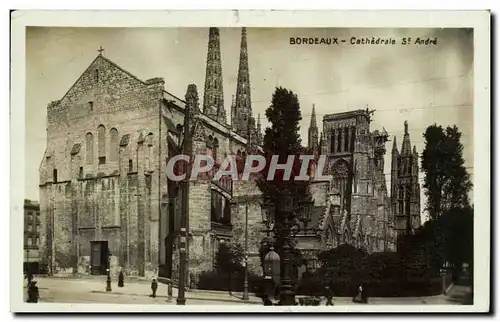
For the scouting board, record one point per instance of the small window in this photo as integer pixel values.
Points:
(80, 173)
(54, 175)
(96, 75)
(30, 228)
(29, 242)
(102, 160)
(91, 106)
(130, 166)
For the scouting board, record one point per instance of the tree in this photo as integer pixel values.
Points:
(343, 262)
(229, 260)
(282, 139)
(446, 180)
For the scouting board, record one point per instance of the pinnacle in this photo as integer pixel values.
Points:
(313, 117)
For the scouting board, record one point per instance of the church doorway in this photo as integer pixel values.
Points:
(98, 257)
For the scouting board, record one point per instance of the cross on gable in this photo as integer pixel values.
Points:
(100, 50)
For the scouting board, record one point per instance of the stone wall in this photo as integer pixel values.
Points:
(103, 185)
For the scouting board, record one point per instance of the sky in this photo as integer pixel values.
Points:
(423, 84)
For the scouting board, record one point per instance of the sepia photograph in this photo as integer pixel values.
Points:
(334, 161)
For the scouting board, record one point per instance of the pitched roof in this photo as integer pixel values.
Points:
(92, 63)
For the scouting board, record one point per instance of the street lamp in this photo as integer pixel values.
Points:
(291, 215)
(267, 215)
(108, 279)
(245, 283)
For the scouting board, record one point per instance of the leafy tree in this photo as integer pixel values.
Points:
(282, 139)
(446, 180)
(343, 262)
(229, 260)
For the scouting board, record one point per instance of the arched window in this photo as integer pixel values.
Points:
(113, 145)
(340, 171)
(89, 147)
(339, 140)
(346, 139)
(215, 148)
(353, 138)
(332, 142)
(96, 75)
(401, 199)
(101, 144)
(149, 144)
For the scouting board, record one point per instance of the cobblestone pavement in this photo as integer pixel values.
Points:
(56, 290)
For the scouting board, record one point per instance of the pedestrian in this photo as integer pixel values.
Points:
(266, 300)
(29, 276)
(360, 296)
(120, 279)
(154, 287)
(32, 292)
(329, 297)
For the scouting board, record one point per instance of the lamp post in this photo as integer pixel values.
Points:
(191, 103)
(291, 215)
(108, 279)
(245, 283)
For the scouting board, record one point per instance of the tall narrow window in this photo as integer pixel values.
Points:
(149, 144)
(96, 75)
(130, 166)
(214, 149)
(332, 142)
(101, 143)
(89, 148)
(113, 145)
(353, 138)
(54, 175)
(339, 142)
(80, 173)
(346, 139)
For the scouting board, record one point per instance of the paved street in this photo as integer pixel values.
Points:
(92, 290)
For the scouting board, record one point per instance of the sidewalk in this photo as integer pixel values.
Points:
(97, 284)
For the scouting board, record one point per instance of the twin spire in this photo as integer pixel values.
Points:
(213, 104)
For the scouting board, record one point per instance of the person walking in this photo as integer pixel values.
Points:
(360, 296)
(33, 294)
(154, 287)
(329, 296)
(120, 279)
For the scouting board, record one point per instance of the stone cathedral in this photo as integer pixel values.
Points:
(104, 189)
(103, 183)
(354, 205)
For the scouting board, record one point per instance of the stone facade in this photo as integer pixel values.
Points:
(353, 206)
(103, 183)
(405, 187)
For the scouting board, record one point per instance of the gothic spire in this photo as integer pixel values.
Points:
(213, 100)
(243, 108)
(406, 147)
(394, 145)
(259, 130)
(313, 117)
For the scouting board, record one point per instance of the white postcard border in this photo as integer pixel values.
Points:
(479, 20)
